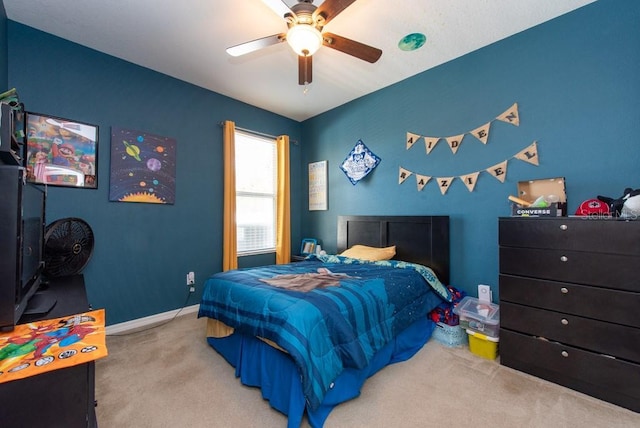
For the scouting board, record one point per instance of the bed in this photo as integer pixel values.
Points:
(309, 333)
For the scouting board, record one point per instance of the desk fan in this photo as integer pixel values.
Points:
(68, 246)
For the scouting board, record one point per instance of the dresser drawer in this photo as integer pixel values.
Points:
(614, 271)
(605, 338)
(621, 307)
(609, 379)
(579, 234)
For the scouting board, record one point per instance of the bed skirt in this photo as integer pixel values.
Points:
(260, 365)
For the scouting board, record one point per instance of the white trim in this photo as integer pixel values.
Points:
(152, 319)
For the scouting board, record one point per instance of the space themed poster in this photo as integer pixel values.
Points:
(143, 167)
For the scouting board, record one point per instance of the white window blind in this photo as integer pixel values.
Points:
(256, 178)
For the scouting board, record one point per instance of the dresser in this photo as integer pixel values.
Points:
(63, 398)
(570, 303)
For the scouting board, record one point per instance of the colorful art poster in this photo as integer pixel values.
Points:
(42, 346)
(143, 167)
(61, 152)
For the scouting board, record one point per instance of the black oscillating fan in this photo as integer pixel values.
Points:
(68, 246)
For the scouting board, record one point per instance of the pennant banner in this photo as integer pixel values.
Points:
(430, 143)
(498, 171)
(530, 154)
(511, 116)
(470, 180)
(454, 142)
(404, 174)
(444, 183)
(422, 181)
(412, 139)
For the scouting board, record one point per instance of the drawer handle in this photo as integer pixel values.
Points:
(564, 321)
(564, 290)
(564, 258)
(564, 227)
(564, 354)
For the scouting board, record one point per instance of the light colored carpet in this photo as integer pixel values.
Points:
(170, 377)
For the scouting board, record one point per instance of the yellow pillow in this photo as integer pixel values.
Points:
(373, 254)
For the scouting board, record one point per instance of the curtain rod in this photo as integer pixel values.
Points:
(258, 133)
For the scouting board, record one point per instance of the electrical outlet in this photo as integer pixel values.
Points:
(192, 289)
(191, 278)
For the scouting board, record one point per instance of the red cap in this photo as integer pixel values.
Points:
(593, 207)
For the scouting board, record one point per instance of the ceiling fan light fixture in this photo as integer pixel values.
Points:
(304, 39)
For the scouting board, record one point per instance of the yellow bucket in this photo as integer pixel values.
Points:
(482, 345)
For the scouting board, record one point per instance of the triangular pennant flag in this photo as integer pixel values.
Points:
(430, 143)
(454, 142)
(422, 181)
(444, 183)
(470, 180)
(511, 115)
(482, 133)
(412, 139)
(499, 171)
(530, 154)
(404, 174)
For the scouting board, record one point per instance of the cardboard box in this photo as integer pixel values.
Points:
(553, 189)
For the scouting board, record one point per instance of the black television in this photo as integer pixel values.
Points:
(22, 230)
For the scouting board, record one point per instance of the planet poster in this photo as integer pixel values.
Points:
(143, 167)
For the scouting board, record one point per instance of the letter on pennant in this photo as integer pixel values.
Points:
(530, 154)
(511, 115)
(499, 171)
(404, 174)
(422, 181)
(412, 139)
(454, 142)
(482, 133)
(430, 143)
(470, 180)
(444, 183)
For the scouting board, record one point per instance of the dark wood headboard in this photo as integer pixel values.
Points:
(418, 239)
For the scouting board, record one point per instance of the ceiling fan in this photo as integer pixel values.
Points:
(305, 23)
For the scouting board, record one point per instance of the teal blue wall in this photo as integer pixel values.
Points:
(576, 80)
(4, 68)
(143, 251)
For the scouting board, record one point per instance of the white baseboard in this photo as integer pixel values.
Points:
(146, 321)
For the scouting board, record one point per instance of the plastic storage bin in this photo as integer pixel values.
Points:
(478, 316)
(450, 335)
(482, 345)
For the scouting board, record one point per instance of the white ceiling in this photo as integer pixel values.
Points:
(186, 39)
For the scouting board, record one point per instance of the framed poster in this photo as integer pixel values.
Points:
(61, 152)
(143, 167)
(318, 186)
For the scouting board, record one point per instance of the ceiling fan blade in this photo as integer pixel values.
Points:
(329, 10)
(351, 47)
(279, 7)
(304, 69)
(254, 45)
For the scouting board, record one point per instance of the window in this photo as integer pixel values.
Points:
(256, 178)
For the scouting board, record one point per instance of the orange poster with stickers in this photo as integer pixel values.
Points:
(42, 346)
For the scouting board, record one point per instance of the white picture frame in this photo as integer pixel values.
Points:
(318, 186)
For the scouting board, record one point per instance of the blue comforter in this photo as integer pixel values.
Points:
(330, 328)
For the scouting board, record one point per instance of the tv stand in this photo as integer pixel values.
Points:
(41, 302)
(59, 398)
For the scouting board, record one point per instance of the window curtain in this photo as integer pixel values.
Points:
(283, 201)
(229, 240)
